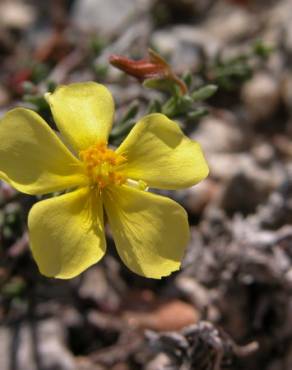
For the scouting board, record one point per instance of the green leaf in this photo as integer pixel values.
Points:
(262, 50)
(120, 131)
(204, 92)
(177, 106)
(37, 100)
(161, 84)
(198, 113)
(154, 107)
(188, 79)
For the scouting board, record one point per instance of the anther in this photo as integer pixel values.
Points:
(102, 165)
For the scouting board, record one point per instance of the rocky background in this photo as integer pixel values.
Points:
(230, 306)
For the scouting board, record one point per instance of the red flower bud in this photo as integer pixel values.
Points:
(141, 69)
(154, 67)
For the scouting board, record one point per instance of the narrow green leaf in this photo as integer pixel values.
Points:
(204, 92)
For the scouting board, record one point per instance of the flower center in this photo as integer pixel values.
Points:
(102, 165)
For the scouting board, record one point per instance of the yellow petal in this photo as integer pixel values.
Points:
(32, 158)
(83, 113)
(150, 231)
(67, 234)
(160, 154)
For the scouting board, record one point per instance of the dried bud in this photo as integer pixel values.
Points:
(153, 68)
(141, 69)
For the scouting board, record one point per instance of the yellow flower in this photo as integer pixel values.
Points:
(67, 232)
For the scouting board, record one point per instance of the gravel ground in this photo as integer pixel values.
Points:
(230, 306)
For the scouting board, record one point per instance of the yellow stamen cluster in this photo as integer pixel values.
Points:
(102, 165)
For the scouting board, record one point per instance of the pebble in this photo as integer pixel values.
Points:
(261, 96)
(107, 16)
(217, 135)
(229, 23)
(16, 14)
(184, 45)
(52, 352)
(263, 154)
(197, 197)
(168, 316)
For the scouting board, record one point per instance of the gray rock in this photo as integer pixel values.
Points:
(31, 347)
(263, 153)
(106, 16)
(220, 135)
(261, 96)
(5, 349)
(184, 45)
(159, 362)
(225, 166)
(16, 14)
(231, 23)
(247, 183)
(197, 197)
